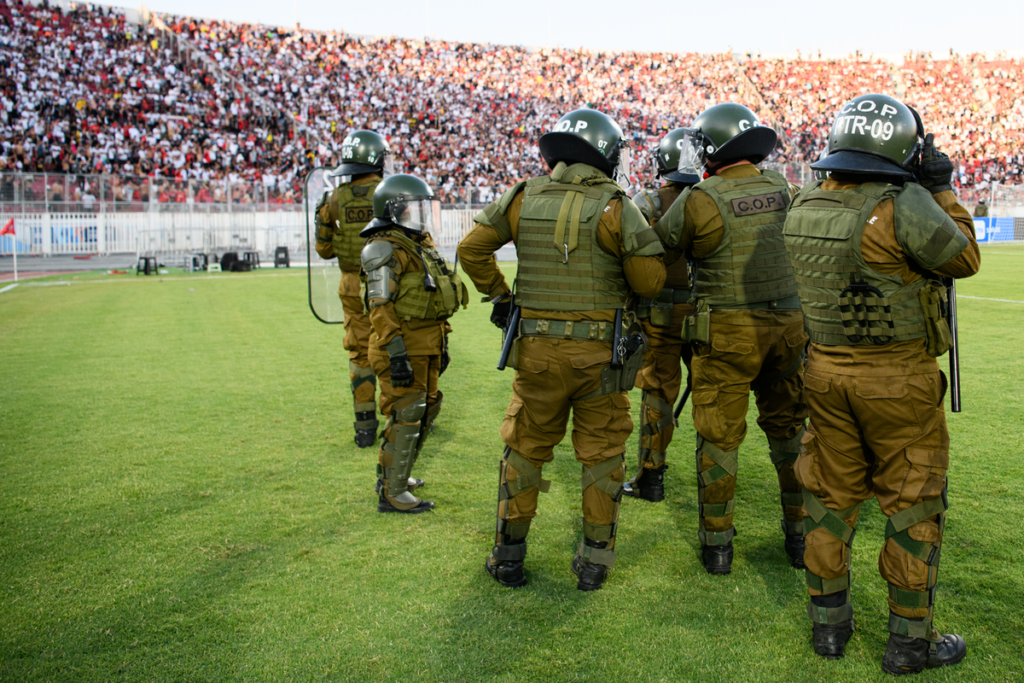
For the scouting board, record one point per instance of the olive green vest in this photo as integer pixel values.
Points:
(750, 265)
(355, 210)
(844, 301)
(414, 300)
(561, 266)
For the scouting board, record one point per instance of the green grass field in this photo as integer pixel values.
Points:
(181, 499)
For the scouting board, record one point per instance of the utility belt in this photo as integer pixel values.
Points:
(697, 325)
(659, 310)
(788, 304)
(567, 329)
(632, 347)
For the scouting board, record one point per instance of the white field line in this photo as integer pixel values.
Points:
(985, 298)
(149, 279)
(9, 287)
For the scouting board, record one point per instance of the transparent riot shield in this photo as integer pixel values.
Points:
(324, 275)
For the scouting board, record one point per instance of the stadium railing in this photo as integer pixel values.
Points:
(85, 214)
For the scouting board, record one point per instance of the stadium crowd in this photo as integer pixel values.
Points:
(85, 91)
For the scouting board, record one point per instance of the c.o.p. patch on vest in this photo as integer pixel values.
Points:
(358, 214)
(761, 203)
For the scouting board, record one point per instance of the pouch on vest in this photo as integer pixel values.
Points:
(933, 297)
(697, 325)
(447, 291)
(661, 310)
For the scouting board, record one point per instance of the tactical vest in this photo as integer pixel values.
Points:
(844, 301)
(750, 265)
(355, 210)
(414, 299)
(561, 266)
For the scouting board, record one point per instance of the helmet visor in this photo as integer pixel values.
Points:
(620, 174)
(420, 214)
(388, 167)
(691, 154)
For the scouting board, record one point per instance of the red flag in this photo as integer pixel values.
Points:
(8, 229)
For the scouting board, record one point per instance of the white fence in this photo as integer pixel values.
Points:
(180, 233)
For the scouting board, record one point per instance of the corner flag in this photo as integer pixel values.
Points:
(8, 229)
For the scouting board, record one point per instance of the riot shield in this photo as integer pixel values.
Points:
(324, 275)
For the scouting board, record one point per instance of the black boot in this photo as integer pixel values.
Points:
(717, 558)
(830, 639)
(509, 573)
(590, 574)
(795, 549)
(648, 484)
(365, 437)
(905, 655)
(384, 505)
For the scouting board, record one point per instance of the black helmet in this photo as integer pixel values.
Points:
(363, 151)
(586, 136)
(405, 201)
(874, 135)
(668, 162)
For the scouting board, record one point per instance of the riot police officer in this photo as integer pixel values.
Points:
(868, 246)
(662, 320)
(583, 249)
(747, 329)
(411, 291)
(366, 159)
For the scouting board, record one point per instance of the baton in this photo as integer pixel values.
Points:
(954, 349)
(682, 401)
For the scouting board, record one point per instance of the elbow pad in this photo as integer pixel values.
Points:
(381, 283)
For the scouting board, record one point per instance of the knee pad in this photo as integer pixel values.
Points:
(529, 476)
(410, 408)
(897, 529)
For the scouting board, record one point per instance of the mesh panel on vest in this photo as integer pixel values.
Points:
(844, 301)
(355, 210)
(750, 265)
(575, 275)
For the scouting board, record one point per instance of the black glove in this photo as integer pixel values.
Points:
(500, 312)
(936, 170)
(401, 368)
(401, 371)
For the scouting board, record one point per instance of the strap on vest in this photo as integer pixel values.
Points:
(572, 207)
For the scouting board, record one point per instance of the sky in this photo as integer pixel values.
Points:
(766, 27)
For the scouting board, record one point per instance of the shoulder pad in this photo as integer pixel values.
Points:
(670, 227)
(493, 214)
(924, 230)
(637, 236)
(375, 254)
(487, 216)
(649, 203)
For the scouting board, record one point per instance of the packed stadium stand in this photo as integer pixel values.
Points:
(84, 90)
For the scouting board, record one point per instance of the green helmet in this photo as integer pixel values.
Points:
(363, 151)
(821, 174)
(875, 135)
(587, 136)
(730, 132)
(404, 201)
(667, 160)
